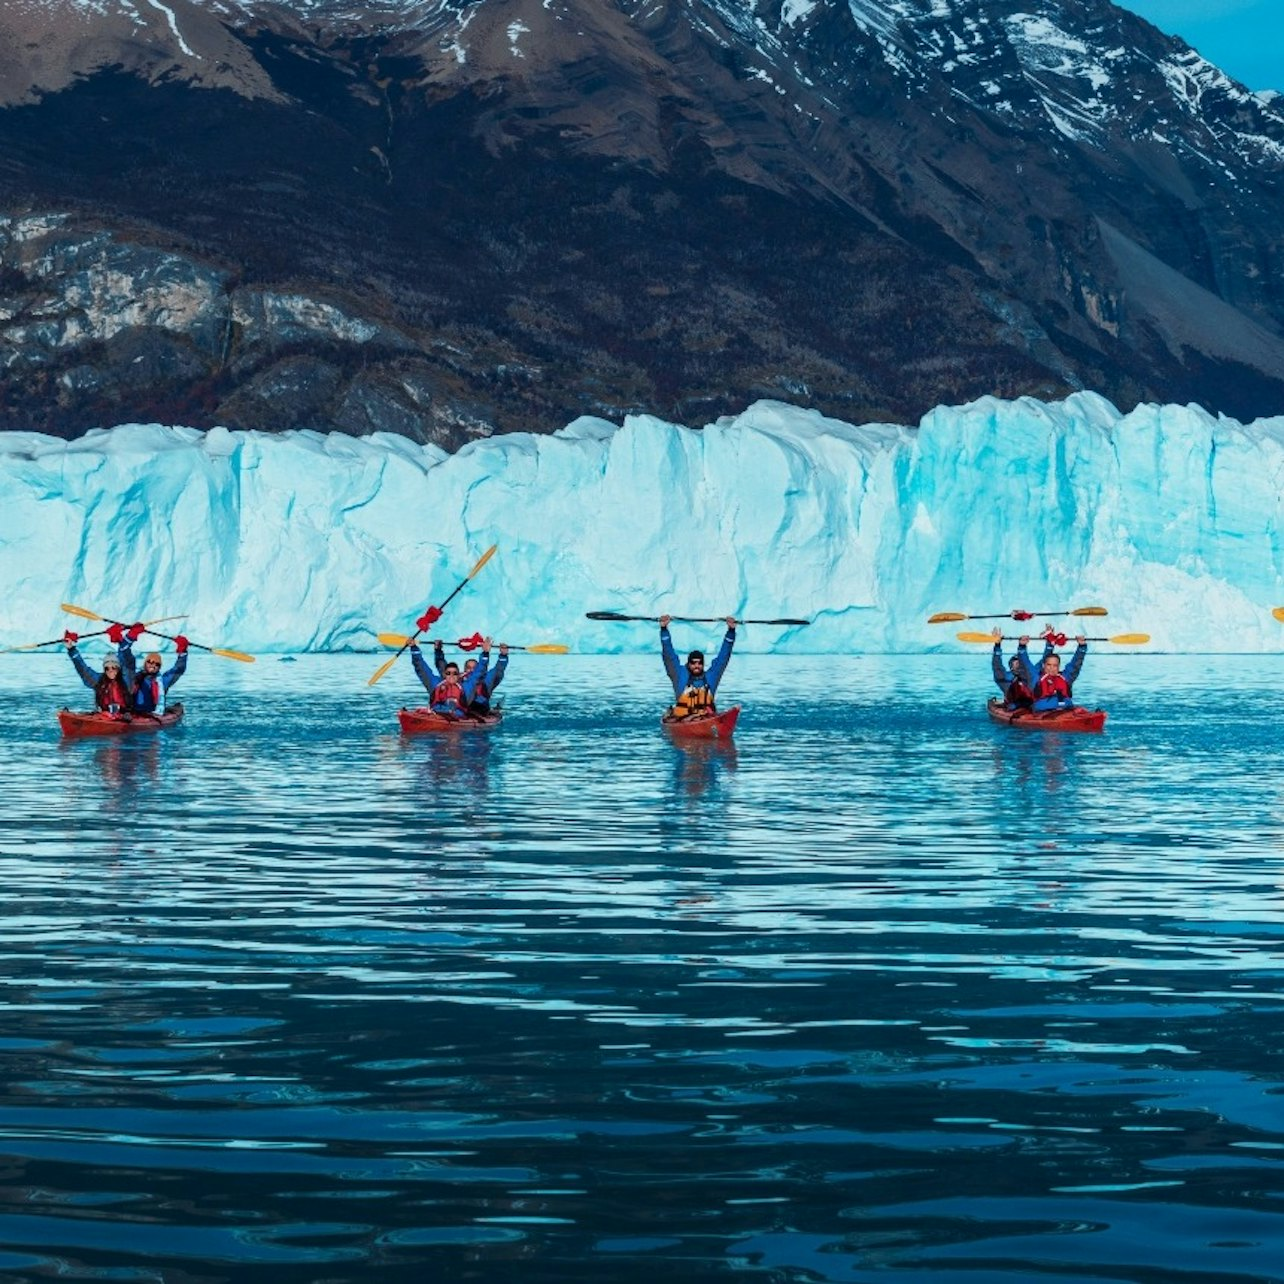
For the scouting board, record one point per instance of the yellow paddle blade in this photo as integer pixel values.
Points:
(232, 655)
(1278, 613)
(482, 560)
(381, 670)
(29, 646)
(393, 639)
(548, 648)
(1091, 610)
(1130, 639)
(946, 617)
(975, 637)
(83, 612)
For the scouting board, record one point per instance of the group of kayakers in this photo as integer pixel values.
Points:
(121, 691)
(1044, 688)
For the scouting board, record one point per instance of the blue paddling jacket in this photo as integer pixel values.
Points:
(468, 686)
(149, 692)
(684, 680)
(1048, 704)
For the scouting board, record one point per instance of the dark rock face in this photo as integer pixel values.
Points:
(449, 220)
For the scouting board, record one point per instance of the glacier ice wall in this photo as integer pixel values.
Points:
(1170, 517)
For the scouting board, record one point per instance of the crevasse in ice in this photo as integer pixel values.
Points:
(1169, 516)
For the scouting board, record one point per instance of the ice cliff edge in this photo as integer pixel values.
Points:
(1168, 516)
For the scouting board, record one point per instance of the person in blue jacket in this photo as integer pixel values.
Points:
(480, 702)
(450, 694)
(150, 687)
(1053, 689)
(110, 687)
(1013, 680)
(694, 686)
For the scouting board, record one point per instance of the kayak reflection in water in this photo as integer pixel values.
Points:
(1014, 680)
(1053, 689)
(450, 693)
(693, 686)
(110, 687)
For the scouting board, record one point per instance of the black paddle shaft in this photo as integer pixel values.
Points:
(681, 619)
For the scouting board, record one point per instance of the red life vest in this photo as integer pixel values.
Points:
(1051, 684)
(1019, 694)
(447, 691)
(113, 694)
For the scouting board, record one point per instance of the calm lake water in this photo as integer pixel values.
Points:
(884, 992)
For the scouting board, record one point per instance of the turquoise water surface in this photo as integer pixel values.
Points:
(882, 992)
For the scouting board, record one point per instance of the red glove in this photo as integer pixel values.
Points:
(136, 631)
(116, 634)
(70, 638)
(428, 619)
(1022, 615)
(470, 644)
(182, 644)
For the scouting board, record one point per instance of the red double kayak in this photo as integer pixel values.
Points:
(414, 720)
(77, 725)
(706, 726)
(1076, 718)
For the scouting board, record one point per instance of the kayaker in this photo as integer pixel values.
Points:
(694, 686)
(1053, 689)
(480, 703)
(1013, 680)
(110, 687)
(451, 695)
(149, 687)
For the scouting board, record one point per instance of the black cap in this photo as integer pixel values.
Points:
(694, 655)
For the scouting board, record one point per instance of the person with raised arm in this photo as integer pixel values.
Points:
(149, 688)
(1014, 679)
(1054, 689)
(110, 687)
(694, 686)
(451, 693)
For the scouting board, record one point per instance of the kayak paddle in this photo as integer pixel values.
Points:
(540, 648)
(1120, 639)
(1278, 613)
(86, 614)
(97, 633)
(615, 617)
(952, 617)
(387, 664)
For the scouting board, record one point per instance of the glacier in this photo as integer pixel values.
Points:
(1169, 516)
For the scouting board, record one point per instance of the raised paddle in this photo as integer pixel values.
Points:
(540, 648)
(86, 614)
(682, 619)
(1120, 639)
(953, 617)
(97, 633)
(387, 664)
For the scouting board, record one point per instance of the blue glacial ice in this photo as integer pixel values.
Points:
(1169, 516)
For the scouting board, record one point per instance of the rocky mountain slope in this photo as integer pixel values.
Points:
(456, 217)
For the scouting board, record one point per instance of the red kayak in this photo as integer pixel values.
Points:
(77, 725)
(1076, 718)
(706, 726)
(414, 720)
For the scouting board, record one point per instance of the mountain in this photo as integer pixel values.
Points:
(458, 217)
